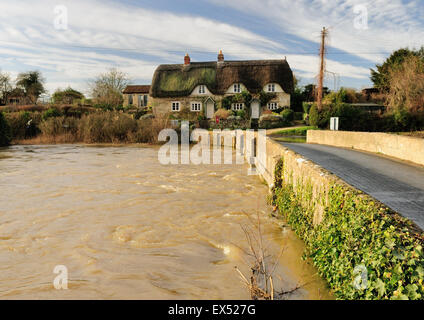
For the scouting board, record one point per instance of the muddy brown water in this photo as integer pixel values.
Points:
(127, 227)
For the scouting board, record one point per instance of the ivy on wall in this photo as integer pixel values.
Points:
(355, 232)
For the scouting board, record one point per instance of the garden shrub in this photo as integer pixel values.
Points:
(51, 112)
(222, 113)
(307, 106)
(288, 115)
(5, 134)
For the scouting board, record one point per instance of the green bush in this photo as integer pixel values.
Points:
(271, 121)
(287, 115)
(320, 119)
(355, 231)
(5, 134)
(307, 106)
(298, 116)
(51, 113)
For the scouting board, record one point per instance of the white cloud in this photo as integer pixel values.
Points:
(391, 25)
(104, 34)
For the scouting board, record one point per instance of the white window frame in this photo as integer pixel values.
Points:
(174, 104)
(272, 106)
(197, 105)
(237, 88)
(271, 87)
(202, 89)
(237, 106)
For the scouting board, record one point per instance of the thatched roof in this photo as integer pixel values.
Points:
(178, 80)
(137, 89)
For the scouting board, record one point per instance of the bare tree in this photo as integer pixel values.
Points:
(107, 87)
(260, 283)
(5, 86)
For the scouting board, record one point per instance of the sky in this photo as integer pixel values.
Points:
(71, 42)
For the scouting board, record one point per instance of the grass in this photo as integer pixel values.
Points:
(298, 131)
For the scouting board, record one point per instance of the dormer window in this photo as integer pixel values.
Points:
(237, 88)
(202, 89)
(271, 87)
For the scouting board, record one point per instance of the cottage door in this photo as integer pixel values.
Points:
(210, 109)
(255, 109)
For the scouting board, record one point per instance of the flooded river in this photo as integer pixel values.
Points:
(127, 227)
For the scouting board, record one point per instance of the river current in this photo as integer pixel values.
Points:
(127, 227)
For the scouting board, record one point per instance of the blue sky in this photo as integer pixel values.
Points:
(137, 36)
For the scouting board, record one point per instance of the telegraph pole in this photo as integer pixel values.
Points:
(324, 34)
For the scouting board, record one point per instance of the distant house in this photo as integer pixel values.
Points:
(136, 96)
(201, 86)
(16, 97)
(369, 92)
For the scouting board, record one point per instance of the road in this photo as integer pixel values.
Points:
(398, 185)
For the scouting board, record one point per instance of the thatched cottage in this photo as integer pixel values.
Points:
(202, 86)
(136, 96)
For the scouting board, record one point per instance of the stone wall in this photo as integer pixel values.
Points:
(397, 146)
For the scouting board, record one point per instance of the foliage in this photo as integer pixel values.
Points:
(222, 113)
(306, 106)
(107, 89)
(32, 83)
(23, 124)
(381, 76)
(265, 97)
(51, 113)
(287, 115)
(67, 96)
(406, 85)
(355, 230)
(271, 121)
(243, 97)
(5, 134)
(298, 116)
(5, 86)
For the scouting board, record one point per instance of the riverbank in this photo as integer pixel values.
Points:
(50, 127)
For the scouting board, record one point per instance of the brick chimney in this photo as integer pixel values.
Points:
(186, 60)
(220, 56)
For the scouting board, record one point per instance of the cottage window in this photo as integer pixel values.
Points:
(237, 88)
(202, 89)
(273, 106)
(175, 106)
(196, 106)
(271, 87)
(237, 106)
(130, 99)
(145, 100)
